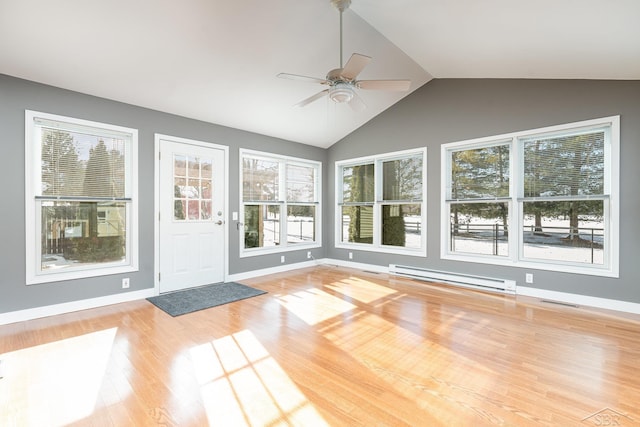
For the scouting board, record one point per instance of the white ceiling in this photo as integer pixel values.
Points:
(217, 60)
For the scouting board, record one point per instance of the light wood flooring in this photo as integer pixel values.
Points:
(327, 346)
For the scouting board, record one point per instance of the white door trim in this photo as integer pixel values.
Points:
(156, 202)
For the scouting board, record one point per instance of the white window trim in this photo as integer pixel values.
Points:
(284, 246)
(32, 219)
(612, 185)
(377, 246)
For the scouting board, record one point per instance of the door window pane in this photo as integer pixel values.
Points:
(192, 188)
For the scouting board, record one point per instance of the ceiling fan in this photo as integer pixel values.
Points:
(343, 81)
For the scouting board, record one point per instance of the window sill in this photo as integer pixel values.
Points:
(247, 253)
(383, 249)
(79, 274)
(535, 265)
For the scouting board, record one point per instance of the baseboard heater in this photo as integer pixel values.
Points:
(465, 280)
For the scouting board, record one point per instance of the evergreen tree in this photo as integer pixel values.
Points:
(62, 173)
(565, 166)
(97, 182)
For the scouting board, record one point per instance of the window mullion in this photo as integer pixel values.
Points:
(377, 206)
(282, 197)
(515, 191)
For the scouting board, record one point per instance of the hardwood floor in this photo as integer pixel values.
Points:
(327, 346)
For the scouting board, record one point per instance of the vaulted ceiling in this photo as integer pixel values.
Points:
(217, 60)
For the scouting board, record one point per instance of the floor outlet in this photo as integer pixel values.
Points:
(309, 255)
(350, 255)
(125, 283)
(528, 278)
(282, 259)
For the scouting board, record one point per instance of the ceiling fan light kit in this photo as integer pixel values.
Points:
(342, 81)
(341, 92)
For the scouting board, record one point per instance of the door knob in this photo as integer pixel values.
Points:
(219, 222)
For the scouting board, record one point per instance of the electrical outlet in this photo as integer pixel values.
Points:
(125, 283)
(528, 277)
(308, 254)
(350, 255)
(282, 259)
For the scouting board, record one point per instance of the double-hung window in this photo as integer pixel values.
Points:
(381, 203)
(81, 205)
(280, 203)
(545, 198)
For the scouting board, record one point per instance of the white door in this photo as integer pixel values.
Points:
(191, 219)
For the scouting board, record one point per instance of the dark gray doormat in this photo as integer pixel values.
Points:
(195, 299)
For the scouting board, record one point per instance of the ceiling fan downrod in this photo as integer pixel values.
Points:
(341, 5)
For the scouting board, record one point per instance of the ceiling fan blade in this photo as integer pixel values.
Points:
(354, 66)
(394, 85)
(356, 103)
(303, 78)
(312, 98)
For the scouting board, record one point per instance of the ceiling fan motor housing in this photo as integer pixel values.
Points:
(335, 76)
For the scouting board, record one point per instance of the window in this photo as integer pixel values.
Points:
(546, 198)
(381, 203)
(80, 198)
(280, 203)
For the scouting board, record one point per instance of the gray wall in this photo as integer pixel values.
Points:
(18, 95)
(450, 110)
(440, 112)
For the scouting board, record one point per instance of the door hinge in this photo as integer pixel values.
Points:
(159, 155)
(158, 216)
(158, 277)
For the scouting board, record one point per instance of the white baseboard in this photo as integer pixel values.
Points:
(581, 300)
(272, 270)
(68, 307)
(356, 265)
(51, 310)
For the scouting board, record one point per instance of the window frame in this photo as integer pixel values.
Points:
(33, 201)
(281, 201)
(378, 203)
(516, 199)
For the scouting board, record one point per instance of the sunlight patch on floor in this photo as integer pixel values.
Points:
(241, 384)
(64, 379)
(314, 306)
(361, 290)
(423, 370)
